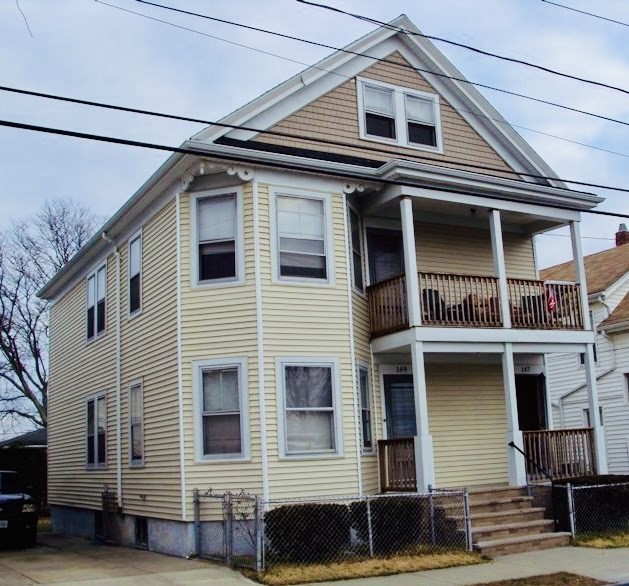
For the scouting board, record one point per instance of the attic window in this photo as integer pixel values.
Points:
(394, 114)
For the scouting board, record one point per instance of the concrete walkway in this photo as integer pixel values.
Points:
(62, 560)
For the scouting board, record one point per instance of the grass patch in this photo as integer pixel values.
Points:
(44, 525)
(604, 540)
(300, 574)
(558, 579)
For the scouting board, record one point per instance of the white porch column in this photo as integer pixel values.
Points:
(410, 262)
(424, 455)
(590, 367)
(517, 464)
(497, 248)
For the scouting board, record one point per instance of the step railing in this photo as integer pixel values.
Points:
(396, 458)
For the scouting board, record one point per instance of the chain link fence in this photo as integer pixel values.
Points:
(244, 531)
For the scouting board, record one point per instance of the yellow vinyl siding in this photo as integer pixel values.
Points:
(334, 116)
(79, 370)
(468, 422)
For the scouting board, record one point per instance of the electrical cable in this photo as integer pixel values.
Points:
(586, 13)
(286, 166)
(468, 47)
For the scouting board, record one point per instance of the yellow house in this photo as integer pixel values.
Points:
(333, 291)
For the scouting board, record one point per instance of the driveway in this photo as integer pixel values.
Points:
(66, 560)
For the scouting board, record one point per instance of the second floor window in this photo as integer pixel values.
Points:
(135, 270)
(216, 233)
(96, 436)
(96, 294)
(357, 256)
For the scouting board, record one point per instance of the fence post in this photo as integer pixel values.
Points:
(197, 522)
(258, 535)
(571, 511)
(467, 519)
(229, 534)
(369, 529)
(432, 515)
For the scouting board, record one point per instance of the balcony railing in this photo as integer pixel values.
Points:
(452, 300)
(396, 458)
(562, 453)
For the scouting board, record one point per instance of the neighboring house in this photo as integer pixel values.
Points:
(608, 287)
(242, 321)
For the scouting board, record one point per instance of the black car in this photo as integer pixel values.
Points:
(18, 512)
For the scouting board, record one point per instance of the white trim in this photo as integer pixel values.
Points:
(96, 465)
(403, 368)
(362, 247)
(132, 385)
(239, 279)
(329, 281)
(198, 366)
(264, 456)
(579, 269)
(498, 252)
(136, 235)
(337, 406)
(400, 118)
(410, 262)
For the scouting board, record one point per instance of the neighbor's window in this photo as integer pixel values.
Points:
(357, 256)
(136, 425)
(135, 271)
(586, 416)
(309, 404)
(582, 356)
(96, 432)
(365, 408)
(301, 236)
(96, 294)
(216, 234)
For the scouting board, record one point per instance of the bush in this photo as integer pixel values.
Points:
(307, 533)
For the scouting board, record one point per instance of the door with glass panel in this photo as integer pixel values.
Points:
(386, 258)
(399, 400)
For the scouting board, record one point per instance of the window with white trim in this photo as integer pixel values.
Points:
(365, 409)
(135, 274)
(301, 237)
(222, 409)
(310, 424)
(136, 425)
(96, 432)
(96, 299)
(217, 239)
(399, 115)
(586, 416)
(357, 250)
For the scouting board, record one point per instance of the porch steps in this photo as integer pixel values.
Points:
(504, 521)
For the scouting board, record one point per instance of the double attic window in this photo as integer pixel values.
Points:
(399, 115)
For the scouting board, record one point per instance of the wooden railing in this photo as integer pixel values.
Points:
(562, 453)
(453, 300)
(397, 465)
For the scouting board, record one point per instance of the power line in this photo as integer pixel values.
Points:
(286, 166)
(584, 237)
(586, 13)
(343, 50)
(323, 141)
(468, 47)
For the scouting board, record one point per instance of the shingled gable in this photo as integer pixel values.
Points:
(473, 130)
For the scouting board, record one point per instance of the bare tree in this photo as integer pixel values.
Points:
(31, 252)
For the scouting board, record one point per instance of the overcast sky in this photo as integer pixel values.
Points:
(85, 49)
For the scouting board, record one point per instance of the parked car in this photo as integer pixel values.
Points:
(18, 512)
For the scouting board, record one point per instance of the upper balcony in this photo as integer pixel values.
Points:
(473, 301)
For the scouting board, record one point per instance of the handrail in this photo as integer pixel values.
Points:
(529, 459)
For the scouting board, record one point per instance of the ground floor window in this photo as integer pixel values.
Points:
(96, 426)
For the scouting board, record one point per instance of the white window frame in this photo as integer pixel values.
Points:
(96, 465)
(136, 463)
(324, 361)
(136, 236)
(94, 274)
(361, 248)
(399, 102)
(363, 366)
(239, 279)
(198, 366)
(327, 240)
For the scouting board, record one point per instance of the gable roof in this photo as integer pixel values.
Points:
(619, 318)
(37, 438)
(602, 269)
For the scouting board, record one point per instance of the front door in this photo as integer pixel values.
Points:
(531, 396)
(399, 400)
(386, 257)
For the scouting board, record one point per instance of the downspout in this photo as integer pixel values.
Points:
(601, 299)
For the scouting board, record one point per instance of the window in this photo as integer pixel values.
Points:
(96, 293)
(399, 115)
(582, 356)
(222, 410)
(357, 257)
(96, 432)
(301, 237)
(309, 399)
(217, 237)
(627, 386)
(586, 416)
(365, 409)
(135, 270)
(136, 425)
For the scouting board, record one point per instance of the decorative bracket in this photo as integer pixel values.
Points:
(349, 188)
(243, 173)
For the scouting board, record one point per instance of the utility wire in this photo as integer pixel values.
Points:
(281, 134)
(287, 166)
(375, 59)
(586, 13)
(584, 237)
(468, 47)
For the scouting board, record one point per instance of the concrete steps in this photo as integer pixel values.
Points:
(522, 543)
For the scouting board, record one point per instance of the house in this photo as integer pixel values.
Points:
(607, 275)
(342, 301)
